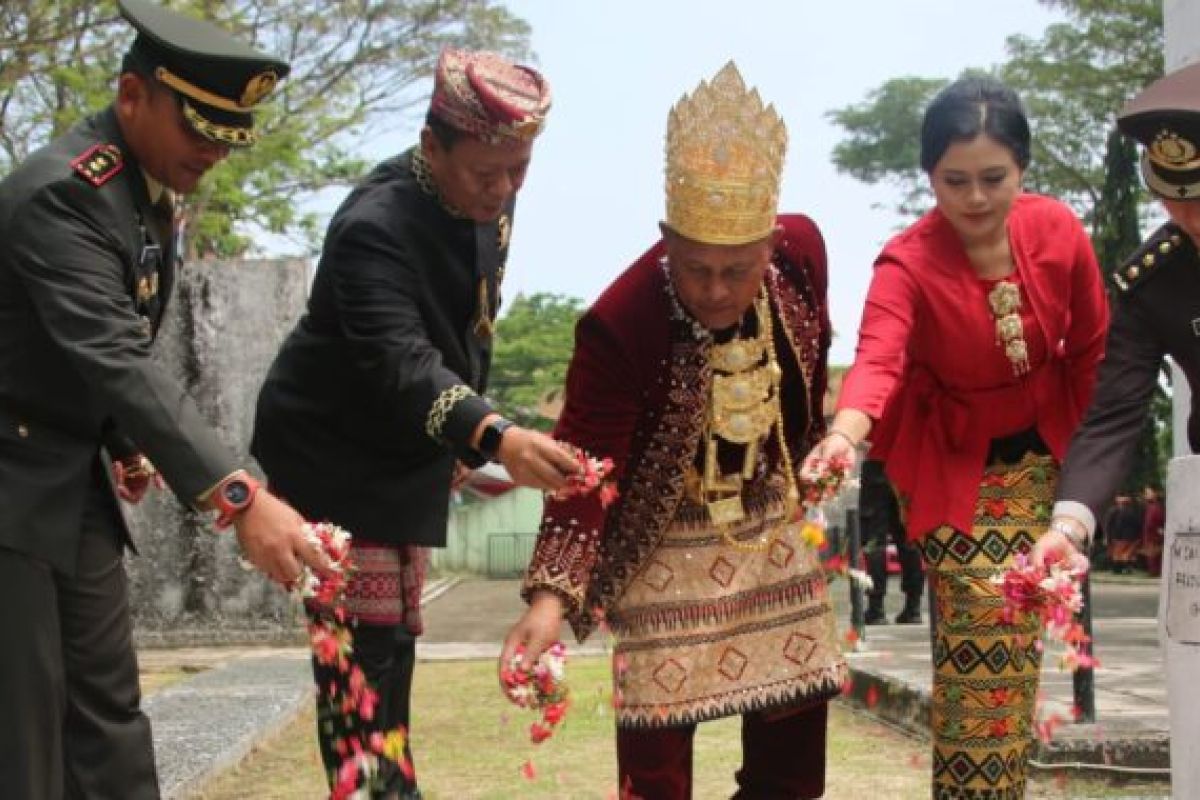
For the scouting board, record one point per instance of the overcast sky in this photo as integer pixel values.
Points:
(594, 193)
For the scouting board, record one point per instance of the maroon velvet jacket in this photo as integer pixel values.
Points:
(637, 391)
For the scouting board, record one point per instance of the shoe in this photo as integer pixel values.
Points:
(911, 614)
(875, 616)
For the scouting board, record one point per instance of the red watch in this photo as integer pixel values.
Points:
(233, 496)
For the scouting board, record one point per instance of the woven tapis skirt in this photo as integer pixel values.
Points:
(986, 672)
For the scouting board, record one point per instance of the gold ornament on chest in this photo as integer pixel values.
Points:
(1005, 302)
(744, 407)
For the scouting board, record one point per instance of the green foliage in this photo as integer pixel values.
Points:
(1115, 216)
(1073, 80)
(883, 140)
(533, 347)
(357, 66)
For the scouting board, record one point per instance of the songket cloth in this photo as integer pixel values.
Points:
(385, 586)
(708, 630)
(986, 671)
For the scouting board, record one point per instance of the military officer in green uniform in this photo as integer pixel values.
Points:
(1156, 313)
(376, 400)
(86, 266)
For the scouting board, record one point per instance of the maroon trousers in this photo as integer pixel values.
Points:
(783, 758)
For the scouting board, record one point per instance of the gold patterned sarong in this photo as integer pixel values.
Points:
(709, 630)
(986, 672)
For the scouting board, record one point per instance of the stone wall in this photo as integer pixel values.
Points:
(223, 328)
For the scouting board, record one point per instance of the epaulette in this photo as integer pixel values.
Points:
(1148, 259)
(99, 163)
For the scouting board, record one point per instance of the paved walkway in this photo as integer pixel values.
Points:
(210, 721)
(892, 674)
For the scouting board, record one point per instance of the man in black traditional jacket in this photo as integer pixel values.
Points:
(86, 266)
(374, 405)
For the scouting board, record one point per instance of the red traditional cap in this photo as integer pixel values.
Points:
(486, 96)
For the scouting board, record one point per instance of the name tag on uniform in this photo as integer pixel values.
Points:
(1196, 326)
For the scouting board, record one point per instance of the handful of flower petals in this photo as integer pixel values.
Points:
(593, 476)
(824, 483)
(541, 687)
(348, 698)
(1053, 594)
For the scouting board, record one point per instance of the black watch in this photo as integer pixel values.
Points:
(489, 440)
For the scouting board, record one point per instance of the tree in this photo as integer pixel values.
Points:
(1073, 80)
(357, 65)
(883, 139)
(533, 347)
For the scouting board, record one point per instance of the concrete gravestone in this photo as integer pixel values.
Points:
(224, 325)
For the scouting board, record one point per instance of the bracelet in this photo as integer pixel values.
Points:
(1071, 531)
(838, 432)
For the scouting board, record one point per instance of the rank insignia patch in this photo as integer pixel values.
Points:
(99, 163)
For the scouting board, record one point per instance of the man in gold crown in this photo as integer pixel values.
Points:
(700, 373)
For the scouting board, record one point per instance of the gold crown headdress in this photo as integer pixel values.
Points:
(724, 162)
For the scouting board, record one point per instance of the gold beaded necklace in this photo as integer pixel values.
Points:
(744, 406)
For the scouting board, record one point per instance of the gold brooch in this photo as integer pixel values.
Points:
(1005, 301)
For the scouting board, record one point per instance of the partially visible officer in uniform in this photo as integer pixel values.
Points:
(879, 520)
(1156, 313)
(86, 265)
(374, 404)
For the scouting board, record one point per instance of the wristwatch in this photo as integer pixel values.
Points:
(233, 496)
(489, 440)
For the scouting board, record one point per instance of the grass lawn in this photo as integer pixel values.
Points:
(470, 745)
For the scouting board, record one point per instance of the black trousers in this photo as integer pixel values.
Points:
(387, 655)
(72, 723)
(879, 513)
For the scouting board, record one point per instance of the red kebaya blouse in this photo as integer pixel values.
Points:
(930, 371)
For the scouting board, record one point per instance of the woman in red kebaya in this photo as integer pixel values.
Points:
(976, 356)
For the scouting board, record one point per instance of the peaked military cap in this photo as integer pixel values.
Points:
(218, 79)
(1165, 117)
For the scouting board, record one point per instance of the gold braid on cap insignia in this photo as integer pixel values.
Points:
(222, 134)
(724, 162)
